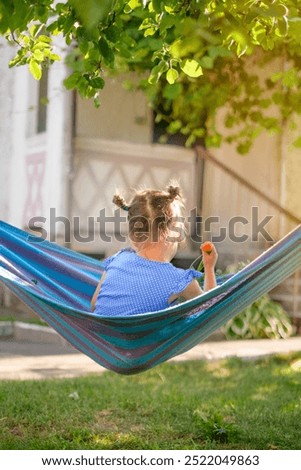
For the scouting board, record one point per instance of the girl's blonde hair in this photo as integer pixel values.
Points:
(151, 212)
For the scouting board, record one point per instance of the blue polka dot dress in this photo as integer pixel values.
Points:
(134, 284)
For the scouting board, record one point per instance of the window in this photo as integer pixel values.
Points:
(42, 103)
(37, 105)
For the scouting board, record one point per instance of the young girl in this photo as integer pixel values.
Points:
(141, 279)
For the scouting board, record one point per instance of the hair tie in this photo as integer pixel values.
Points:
(120, 202)
(174, 191)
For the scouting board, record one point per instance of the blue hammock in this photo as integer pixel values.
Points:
(58, 283)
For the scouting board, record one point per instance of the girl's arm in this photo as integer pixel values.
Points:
(209, 279)
(193, 289)
(95, 295)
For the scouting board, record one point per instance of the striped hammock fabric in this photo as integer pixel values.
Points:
(58, 283)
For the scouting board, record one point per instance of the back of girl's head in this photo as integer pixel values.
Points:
(151, 212)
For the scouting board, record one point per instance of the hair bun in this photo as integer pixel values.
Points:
(120, 202)
(174, 191)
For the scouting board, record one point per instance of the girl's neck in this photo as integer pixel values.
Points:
(158, 251)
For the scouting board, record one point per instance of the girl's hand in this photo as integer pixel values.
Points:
(209, 254)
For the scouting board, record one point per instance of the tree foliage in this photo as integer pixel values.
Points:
(195, 57)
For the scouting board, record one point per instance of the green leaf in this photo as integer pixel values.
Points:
(53, 28)
(91, 12)
(191, 68)
(54, 57)
(15, 61)
(190, 141)
(171, 76)
(244, 147)
(167, 22)
(157, 5)
(213, 140)
(258, 32)
(72, 81)
(106, 51)
(291, 78)
(172, 92)
(68, 25)
(218, 51)
(38, 55)
(97, 82)
(150, 31)
(157, 71)
(41, 45)
(273, 11)
(297, 142)
(207, 62)
(35, 69)
(199, 132)
(239, 37)
(174, 126)
(43, 38)
(276, 77)
(33, 29)
(282, 27)
(112, 33)
(146, 24)
(131, 5)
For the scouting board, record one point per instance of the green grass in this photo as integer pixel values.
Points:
(13, 318)
(230, 404)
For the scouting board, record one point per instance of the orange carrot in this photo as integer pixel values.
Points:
(207, 247)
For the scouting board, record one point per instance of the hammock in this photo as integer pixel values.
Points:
(58, 283)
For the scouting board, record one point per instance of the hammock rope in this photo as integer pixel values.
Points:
(58, 284)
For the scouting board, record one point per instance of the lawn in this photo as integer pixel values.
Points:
(230, 404)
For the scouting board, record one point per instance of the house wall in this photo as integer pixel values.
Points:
(291, 171)
(123, 115)
(6, 128)
(114, 151)
(6, 139)
(125, 118)
(39, 163)
(102, 167)
(261, 167)
(272, 167)
(17, 191)
(42, 166)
